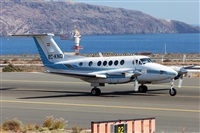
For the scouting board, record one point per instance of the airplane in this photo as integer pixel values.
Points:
(102, 70)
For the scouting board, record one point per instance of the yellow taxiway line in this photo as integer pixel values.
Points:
(102, 106)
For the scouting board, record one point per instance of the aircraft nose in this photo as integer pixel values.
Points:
(172, 73)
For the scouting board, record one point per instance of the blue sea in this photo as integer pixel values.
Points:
(155, 43)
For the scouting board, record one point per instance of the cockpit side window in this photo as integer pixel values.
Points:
(136, 61)
(140, 63)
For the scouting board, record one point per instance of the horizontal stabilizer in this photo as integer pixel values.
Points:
(32, 35)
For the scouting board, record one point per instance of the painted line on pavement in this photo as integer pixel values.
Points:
(103, 106)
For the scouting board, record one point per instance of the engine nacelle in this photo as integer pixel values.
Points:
(110, 80)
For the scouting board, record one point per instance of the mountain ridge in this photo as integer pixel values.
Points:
(58, 17)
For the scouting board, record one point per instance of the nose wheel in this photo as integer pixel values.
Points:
(172, 90)
(95, 92)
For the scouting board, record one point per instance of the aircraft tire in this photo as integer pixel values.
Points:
(142, 88)
(95, 92)
(172, 92)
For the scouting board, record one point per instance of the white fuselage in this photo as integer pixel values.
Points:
(115, 69)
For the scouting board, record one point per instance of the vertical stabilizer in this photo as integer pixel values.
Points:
(49, 51)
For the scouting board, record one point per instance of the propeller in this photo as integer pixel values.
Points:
(181, 71)
(134, 76)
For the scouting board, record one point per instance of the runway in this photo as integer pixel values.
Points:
(31, 97)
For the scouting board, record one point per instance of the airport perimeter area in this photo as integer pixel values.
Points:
(31, 97)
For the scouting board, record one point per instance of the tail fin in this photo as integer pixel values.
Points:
(49, 51)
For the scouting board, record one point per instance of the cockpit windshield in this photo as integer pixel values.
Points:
(150, 60)
(146, 60)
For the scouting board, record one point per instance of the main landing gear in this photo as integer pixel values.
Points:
(95, 91)
(142, 88)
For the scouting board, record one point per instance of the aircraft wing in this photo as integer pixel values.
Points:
(79, 75)
(126, 72)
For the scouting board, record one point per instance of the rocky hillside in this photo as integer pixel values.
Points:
(38, 16)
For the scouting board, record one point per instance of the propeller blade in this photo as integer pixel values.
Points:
(180, 81)
(188, 67)
(182, 71)
(136, 84)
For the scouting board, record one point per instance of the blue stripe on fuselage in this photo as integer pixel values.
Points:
(42, 54)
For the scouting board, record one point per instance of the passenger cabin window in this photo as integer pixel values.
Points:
(122, 62)
(110, 63)
(105, 63)
(81, 63)
(133, 62)
(90, 63)
(99, 63)
(116, 63)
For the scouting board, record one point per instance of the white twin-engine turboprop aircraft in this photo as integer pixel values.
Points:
(101, 70)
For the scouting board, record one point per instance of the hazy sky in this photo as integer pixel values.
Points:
(181, 10)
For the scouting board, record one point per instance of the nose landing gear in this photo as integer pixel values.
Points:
(172, 90)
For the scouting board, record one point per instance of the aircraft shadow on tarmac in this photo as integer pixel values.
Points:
(4, 89)
(83, 94)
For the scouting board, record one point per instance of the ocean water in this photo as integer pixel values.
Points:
(155, 43)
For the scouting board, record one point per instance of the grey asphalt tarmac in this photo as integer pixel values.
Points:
(31, 97)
